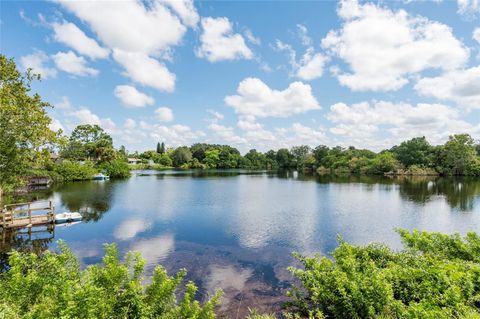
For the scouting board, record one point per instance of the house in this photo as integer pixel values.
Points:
(134, 161)
(54, 157)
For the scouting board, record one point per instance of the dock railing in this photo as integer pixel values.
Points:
(27, 214)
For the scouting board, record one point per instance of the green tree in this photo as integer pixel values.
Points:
(165, 160)
(24, 125)
(284, 158)
(229, 157)
(383, 163)
(162, 148)
(300, 155)
(320, 152)
(271, 160)
(123, 151)
(181, 155)
(150, 155)
(212, 158)
(255, 160)
(459, 154)
(89, 142)
(416, 151)
(198, 150)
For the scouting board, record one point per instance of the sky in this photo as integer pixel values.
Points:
(253, 74)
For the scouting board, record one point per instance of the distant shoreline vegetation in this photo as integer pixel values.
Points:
(89, 150)
(29, 148)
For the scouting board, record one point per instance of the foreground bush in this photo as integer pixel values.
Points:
(437, 276)
(52, 286)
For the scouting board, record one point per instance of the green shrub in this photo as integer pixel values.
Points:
(53, 175)
(420, 170)
(115, 169)
(437, 276)
(75, 171)
(165, 160)
(474, 168)
(52, 286)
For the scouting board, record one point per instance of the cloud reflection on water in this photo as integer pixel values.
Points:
(156, 249)
(129, 228)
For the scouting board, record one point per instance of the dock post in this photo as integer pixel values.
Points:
(30, 213)
(52, 211)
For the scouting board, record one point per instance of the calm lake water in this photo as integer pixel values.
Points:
(236, 230)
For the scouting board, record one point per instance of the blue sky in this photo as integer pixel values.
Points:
(253, 74)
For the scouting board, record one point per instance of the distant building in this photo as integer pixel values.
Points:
(54, 157)
(134, 161)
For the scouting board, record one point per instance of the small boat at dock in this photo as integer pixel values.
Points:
(101, 177)
(67, 217)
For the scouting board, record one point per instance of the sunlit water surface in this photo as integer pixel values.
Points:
(236, 230)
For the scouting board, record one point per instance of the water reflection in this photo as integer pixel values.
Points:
(226, 277)
(460, 193)
(155, 250)
(34, 240)
(129, 228)
(91, 198)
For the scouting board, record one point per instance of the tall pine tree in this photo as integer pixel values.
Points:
(162, 148)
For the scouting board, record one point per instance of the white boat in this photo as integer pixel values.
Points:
(67, 217)
(101, 177)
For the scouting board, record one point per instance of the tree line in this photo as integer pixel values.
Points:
(458, 156)
(27, 143)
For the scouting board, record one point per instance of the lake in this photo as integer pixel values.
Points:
(236, 229)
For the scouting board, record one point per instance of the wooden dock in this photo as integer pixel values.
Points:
(27, 215)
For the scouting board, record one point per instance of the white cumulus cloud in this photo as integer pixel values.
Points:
(185, 10)
(469, 8)
(71, 63)
(476, 35)
(37, 62)
(130, 25)
(219, 42)
(226, 134)
(459, 86)
(164, 114)
(256, 99)
(146, 70)
(311, 64)
(70, 35)
(139, 33)
(176, 134)
(131, 97)
(383, 48)
(85, 116)
(401, 121)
